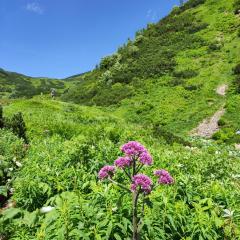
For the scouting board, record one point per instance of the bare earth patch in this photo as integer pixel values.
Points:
(209, 126)
(237, 146)
(221, 90)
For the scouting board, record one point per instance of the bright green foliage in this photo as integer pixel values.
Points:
(237, 6)
(11, 153)
(65, 163)
(168, 74)
(157, 87)
(14, 85)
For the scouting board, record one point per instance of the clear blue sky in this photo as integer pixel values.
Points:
(59, 38)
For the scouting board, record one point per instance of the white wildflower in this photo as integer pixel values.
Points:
(46, 209)
(18, 164)
(227, 213)
(114, 209)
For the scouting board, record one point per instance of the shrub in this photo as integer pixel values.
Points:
(237, 84)
(188, 73)
(170, 138)
(237, 6)
(193, 86)
(11, 153)
(222, 122)
(236, 69)
(108, 61)
(1, 117)
(214, 47)
(18, 127)
(176, 82)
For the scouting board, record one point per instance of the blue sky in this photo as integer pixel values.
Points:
(59, 38)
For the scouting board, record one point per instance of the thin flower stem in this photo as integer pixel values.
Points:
(127, 174)
(142, 213)
(119, 184)
(139, 167)
(135, 216)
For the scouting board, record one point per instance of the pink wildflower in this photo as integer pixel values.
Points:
(123, 162)
(133, 148)
(106, 171)
(143, 181)
(145, 158)
(136, 150)
(164, 177)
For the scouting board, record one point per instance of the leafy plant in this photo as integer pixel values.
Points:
(136, 156)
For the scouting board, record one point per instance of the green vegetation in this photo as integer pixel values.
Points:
(155, 89)
(69, 144)
(14, 85)
(168, 74)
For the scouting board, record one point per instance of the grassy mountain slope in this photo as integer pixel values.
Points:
(14, 85)
(169, 73)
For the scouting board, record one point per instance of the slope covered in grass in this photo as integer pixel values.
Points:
(169, 73)
(70, 143)
(14, 85)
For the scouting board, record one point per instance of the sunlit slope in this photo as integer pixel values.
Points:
(14, 85)
(168, 75)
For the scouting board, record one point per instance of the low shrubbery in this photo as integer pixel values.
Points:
(237, 6)
(12, 152)
(16, 124)
(65, 200)
(236, 82)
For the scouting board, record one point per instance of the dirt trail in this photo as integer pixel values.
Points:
(237, 146)
(210, 125)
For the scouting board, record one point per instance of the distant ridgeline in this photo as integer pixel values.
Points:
(14, 85)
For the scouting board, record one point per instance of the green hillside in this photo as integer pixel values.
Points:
(155, 89)
(169, 73)
(15, 85)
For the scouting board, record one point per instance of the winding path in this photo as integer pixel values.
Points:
(210, 125)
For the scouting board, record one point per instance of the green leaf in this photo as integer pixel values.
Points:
(11, 213)
(3, 191)
(109, 229)
(117, 237)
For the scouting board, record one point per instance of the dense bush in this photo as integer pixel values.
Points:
(214, 46)
(236, 69)
(16, 124)
(11, 154)
(1, 117)
(151, 55)
(237, 6)
(185, 74)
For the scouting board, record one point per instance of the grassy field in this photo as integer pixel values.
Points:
(154, 90)
(69, 144)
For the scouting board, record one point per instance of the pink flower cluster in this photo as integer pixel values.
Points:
(123, 162)
(164, 177)
(142, 181)
(133, 150)
(106, 171)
